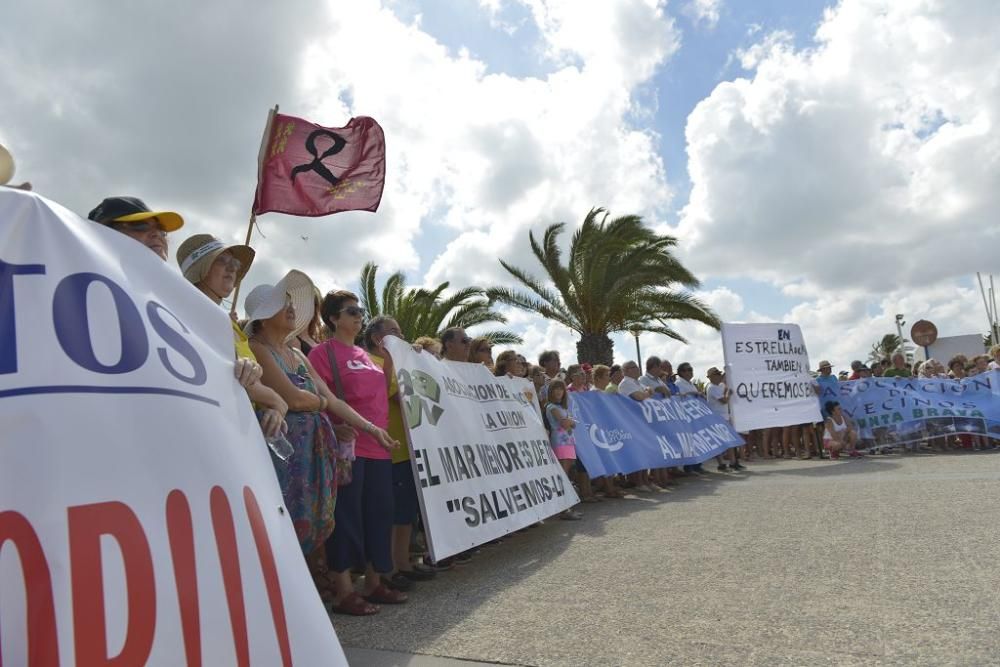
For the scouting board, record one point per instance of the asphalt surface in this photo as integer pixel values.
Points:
(891, 560)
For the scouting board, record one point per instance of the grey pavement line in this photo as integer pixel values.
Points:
(384, 658)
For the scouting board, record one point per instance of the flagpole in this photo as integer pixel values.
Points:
(265, 141)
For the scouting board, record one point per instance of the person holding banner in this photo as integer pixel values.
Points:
(481, 352)
(631, 387)
(215, 268)
(455, 344)
(717, 396)
(509, 363)
(406, 507)
(309, 479)
(615, 377)
(560, 426)
(653, 379)
(602, 378)
(363, 534)
(899, 368)
(131, 216)
(577, 378)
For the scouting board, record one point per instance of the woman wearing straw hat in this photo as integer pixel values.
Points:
(308, 479)
(215, 269)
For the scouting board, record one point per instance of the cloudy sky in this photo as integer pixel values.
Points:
(828, 164)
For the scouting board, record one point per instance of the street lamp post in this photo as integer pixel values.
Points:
(638, 354)
(899, 332)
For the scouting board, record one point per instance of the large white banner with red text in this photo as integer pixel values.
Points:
(141, 522)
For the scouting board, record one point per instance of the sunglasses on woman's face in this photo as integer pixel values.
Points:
(229, 262)
(353, 311)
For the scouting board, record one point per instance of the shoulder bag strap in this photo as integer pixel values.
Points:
(335, 372)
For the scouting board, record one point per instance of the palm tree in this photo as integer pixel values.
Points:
(620, 276)
(884, 347)
(423, 312)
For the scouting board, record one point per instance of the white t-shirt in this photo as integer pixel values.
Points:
(714, 393)
(654, 383)
(684, 387)
(629, 386)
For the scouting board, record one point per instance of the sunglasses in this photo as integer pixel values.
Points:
(229, 262)
(353, 311)
(141, 227)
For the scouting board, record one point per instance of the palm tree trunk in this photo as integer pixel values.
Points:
(595, 348)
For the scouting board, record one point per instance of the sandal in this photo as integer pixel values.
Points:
(322, 576)
(383, 595)
(353, 605)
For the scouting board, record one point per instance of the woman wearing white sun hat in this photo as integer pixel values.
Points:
(308, 478)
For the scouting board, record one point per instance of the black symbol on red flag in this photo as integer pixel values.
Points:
(317, 164)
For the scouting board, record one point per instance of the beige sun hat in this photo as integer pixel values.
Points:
(7, 167)
(196, 255)
(266, 301)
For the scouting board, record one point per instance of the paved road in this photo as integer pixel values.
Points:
(883, 561)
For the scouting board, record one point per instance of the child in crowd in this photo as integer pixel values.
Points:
(560, 426)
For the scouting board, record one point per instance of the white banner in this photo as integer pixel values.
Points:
(481, 456)
(767, 371)
(141, 521)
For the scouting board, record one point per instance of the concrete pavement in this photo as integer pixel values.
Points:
(882, 561)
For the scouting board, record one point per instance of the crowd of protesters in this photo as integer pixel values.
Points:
(326, 406)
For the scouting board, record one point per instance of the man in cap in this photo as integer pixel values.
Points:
(131, 216)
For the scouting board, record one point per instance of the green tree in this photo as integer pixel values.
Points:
(884, 347)
(620, 276)
(423, 312)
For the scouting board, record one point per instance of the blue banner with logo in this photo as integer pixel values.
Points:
(892, 411)
(616, 434)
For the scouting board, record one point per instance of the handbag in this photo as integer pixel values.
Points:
(345, 448)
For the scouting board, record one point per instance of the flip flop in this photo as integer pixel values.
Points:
(353, 605)
(383, 595)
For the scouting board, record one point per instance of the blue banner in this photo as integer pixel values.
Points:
(897, 410)
(615, 434)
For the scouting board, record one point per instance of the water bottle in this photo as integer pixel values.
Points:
(281, 447)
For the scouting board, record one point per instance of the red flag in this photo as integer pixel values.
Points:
(312, 170)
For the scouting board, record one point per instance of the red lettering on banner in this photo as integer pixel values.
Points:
(43, 649)
(181, 535)
(270, 572)
(229, 561)
(87, 523)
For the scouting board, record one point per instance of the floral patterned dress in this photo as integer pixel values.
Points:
(308, 478)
